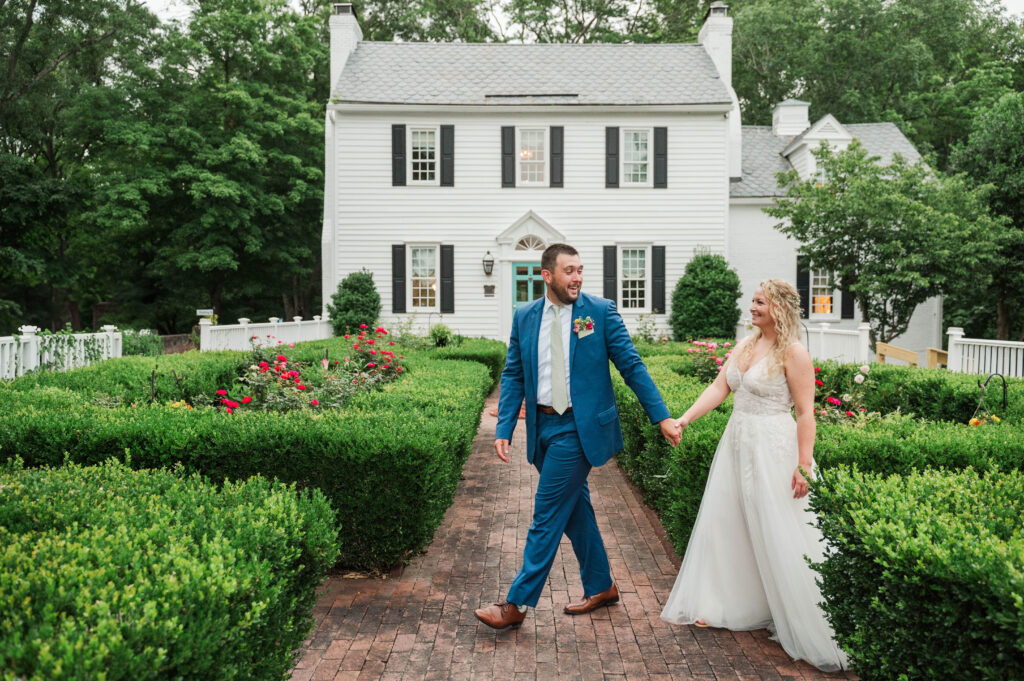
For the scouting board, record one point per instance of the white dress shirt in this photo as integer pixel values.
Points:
(544, 350)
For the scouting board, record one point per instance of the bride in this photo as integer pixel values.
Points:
(744, 566)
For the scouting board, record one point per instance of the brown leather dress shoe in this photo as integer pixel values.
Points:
(593, 602)
(501, 615)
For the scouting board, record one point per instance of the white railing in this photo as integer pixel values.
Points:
(978, 356)
(240, 336)
(59, 352)
(823, 342)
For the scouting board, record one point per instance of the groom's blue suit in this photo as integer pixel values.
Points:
(564, 447)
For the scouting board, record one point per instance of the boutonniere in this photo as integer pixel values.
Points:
(583, 327)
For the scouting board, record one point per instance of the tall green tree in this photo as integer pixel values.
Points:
(926, 65)
(468, 21)
(892, 235)
(994, 155)
(216, 189)
(59, 62)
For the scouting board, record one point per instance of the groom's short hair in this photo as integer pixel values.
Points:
(549, 258)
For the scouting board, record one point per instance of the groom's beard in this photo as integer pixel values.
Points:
(563, 294)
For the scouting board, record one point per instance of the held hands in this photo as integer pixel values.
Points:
(671, 430)
(799, 483)
(501, 449)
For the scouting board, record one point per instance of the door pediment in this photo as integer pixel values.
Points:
(530, 225)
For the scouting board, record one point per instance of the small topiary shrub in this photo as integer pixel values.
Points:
(355, 302)
(704, 301)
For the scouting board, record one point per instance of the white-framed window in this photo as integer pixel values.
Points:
(424, 266)
(636, 154)
(824, 299)
(422, 154)
(635, 278)
(532, 162)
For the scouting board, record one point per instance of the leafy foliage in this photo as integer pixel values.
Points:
(120, 574)
(994, 155)
(920, 559)
(355, 303)
(892, 235)
(704, 300)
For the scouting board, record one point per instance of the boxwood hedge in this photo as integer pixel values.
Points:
(109, 573)
(927, 580)
(388, 462)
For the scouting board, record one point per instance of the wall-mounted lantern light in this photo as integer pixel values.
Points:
(488, 263)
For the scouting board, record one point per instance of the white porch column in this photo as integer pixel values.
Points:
(864, 343)
(956, 356)
(28, 350)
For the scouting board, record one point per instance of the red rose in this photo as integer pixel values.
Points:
(246, 400)
(370, 365)
(363, 326)
(222, 392)
(590, 326)
(300, 386)
(817, 369)
(370, 341)
(282, 358)
(818, 382)
(231, 411)
(849, 413)
(315, 403)
(391, 342)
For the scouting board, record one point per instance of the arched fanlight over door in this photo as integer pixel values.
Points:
(530, 242)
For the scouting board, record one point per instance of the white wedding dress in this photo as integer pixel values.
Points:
(744, 567)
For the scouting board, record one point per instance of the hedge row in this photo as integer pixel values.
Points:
(490, 353)
(109, 573)
(388, 462)
(928, 578)
(672, 481)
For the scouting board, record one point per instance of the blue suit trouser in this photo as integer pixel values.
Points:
(561, 505)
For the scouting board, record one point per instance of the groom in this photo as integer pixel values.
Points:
(558, 360)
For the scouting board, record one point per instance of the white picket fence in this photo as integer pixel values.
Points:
(823, 342)
(240, 336)
(28, 351)
(984, 357)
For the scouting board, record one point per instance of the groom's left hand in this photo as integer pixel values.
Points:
(671, 430)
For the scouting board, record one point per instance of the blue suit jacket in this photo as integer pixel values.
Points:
(590, 389)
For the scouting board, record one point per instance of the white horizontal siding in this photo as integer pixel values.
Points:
(369, 215)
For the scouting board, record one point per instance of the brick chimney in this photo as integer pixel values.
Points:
(345, 35)
(790, 118)
(716, 37)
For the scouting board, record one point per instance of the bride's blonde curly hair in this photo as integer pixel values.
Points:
(784, 307)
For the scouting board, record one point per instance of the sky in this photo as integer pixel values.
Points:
(175, 9)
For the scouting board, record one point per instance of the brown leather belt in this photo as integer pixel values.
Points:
(545, 409)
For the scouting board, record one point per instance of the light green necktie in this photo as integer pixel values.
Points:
(559, 398)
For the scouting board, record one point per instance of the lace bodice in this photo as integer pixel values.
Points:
(757, 393)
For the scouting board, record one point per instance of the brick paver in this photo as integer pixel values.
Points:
(418, 624)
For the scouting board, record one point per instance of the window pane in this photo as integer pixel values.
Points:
(634, 156)
(538, 289)
(821, 292)
(634, 278)
(424, 162)
(522, 291)
(424, 277)
(531, 155)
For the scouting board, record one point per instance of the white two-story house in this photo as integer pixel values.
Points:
(451, 166)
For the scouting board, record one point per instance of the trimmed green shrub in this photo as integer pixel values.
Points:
(146, 379)
(704, 300)
(108, 573)
(388, 461)
(355, 302)
(927, 578)
(142, 342)
(490, 353)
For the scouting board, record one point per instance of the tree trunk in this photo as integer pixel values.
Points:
(1002, 320)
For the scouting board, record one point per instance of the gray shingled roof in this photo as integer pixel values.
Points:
(762, 154)
(503, 74)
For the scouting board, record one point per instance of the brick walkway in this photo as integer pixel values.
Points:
(419, 623)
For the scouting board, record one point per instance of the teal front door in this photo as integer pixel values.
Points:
(527, 283)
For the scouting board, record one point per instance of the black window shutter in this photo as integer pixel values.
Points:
(658, 279)
(447, 155)
(610, 266)
(398, 155)
(508, 159)
(847, 310)
(611, 157)
(803, 284)
(557, 149)
(447, 279)
(398, 278)
(661, 158)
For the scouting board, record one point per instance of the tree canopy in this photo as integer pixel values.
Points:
(892, 235)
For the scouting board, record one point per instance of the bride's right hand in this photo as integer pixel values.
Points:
(682, 422)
